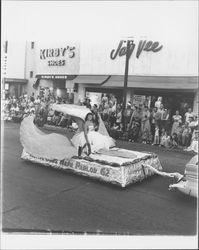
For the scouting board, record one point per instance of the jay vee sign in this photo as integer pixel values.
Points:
(142, 46)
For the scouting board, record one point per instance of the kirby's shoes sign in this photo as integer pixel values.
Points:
(58, 59)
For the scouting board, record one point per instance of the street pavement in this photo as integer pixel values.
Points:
(40, 199)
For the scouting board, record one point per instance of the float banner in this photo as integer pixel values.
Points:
(122, 175)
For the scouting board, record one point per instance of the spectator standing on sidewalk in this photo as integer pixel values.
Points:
(186, 135)
(156, 140)
(105, 114)
(119, 115)
(127, 114)
(177, 119)
(165, 139)
(87, 103)
(188, 114)
(158, 102)
(153, 122)
(145, 126)
(161, 112)
(165, 119)
(157, 117)
(95, 117)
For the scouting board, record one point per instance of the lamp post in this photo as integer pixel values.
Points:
(126, 78)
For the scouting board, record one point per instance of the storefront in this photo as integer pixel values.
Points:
(14, 87)
(74, 70)
(156, 69)
(55, 66)
(56, 86)
(176, 92)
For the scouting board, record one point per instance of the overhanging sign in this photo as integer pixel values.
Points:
(66, 77)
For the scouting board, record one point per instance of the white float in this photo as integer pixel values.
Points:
(112, 169)
(116, 165)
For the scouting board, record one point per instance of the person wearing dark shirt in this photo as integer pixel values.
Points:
(87, 103)
(95, 117)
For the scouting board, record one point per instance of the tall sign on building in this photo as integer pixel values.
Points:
(5, 58)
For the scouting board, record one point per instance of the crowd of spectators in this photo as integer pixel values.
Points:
(135, 123)
(153, 126)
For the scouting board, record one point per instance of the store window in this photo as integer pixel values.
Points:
(31, 74)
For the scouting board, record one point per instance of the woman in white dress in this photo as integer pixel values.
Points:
(177, 120)
(55, 146)
(91, 138)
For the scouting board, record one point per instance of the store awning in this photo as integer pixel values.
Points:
(154, 82)
(92, 79)
(15, 80)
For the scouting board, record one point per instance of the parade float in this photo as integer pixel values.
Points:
(117, 165)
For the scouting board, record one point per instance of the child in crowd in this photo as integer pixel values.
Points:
(174, 140)
(186, 135)
(156, 140)
(165, 139)
(179, 132)
(133, 131)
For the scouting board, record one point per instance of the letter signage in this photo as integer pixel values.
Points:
(142, 46)
(57, 53)
(58, 58)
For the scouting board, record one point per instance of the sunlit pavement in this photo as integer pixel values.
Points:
(41, 199)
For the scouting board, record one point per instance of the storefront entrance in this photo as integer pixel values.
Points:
(56, 89)
(171, 100)
(14, 87)
(96, 94)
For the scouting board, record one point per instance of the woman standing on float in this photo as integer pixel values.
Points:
(92, 139)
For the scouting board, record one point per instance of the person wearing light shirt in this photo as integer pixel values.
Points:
(158, 102)
(188, 114)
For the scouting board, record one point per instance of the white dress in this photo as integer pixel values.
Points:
(96, 140)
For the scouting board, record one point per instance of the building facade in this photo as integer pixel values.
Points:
(13, 64)
(75, 70)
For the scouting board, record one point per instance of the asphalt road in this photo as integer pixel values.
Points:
(38, 198)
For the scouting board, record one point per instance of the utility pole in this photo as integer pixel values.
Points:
(126, 78)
